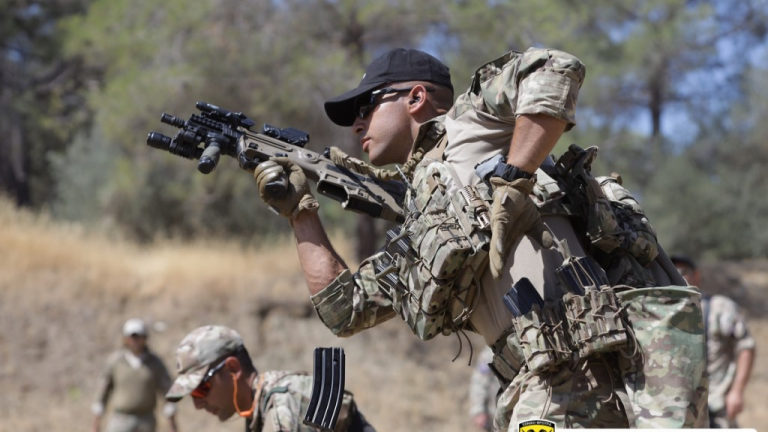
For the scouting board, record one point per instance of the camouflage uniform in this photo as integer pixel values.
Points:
(280, 397)
(483, 387)
(727, 336)
(479, 126)
(132, 391)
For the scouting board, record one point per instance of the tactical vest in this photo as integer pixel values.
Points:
(440, 250)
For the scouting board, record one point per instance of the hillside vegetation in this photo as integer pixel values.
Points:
(64, 294)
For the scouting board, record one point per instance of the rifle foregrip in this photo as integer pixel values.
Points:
(278, 188)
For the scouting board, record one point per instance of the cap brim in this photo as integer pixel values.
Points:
(341, 109)
(185, 383)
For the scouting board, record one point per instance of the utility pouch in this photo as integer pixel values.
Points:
(668, 349)
(539, 327)
(595, 321)
(448, 248)
(437, 249)
(594, 316)
(507, 356)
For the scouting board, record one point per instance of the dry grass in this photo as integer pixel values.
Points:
(64, 295)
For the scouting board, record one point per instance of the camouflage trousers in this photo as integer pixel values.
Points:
(120, 422)
(662, 383)
(592, 395)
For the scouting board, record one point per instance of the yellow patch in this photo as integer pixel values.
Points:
(536, 426)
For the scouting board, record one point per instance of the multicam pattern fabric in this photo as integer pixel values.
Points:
(537, 81)
(440, 247)
(353, 303)
(727, 335)
(665, 379)
(593, 392)
(196, 352)
(575, 397)
(283, 398)
(444, 235)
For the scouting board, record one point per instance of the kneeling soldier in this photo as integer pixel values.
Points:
(214, 367)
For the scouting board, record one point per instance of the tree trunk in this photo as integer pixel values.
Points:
(14, 157)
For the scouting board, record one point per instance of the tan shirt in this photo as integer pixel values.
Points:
(727, 336)
(130, 389)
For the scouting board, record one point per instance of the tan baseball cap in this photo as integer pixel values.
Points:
(196, 352)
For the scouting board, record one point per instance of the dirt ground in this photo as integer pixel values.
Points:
(65, 294)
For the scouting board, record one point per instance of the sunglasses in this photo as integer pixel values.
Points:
(204, 387)
(365, 104)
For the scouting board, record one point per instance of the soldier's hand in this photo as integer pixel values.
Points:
(481, 421)
(297, 196)
(513, 215)
(734, 404)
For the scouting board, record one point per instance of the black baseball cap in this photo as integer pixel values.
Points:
(397, 65)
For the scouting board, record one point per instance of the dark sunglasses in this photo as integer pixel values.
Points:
(204, 387)
(368, 102)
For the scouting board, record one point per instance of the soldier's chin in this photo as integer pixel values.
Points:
(377, 158)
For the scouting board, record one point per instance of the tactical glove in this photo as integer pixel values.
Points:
(513, 215)
(297, 197)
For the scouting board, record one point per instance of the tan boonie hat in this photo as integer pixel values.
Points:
(195, 354)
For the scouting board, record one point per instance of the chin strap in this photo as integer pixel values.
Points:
(249, 413)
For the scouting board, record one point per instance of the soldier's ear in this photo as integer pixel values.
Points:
(234, 367)
(418, 98)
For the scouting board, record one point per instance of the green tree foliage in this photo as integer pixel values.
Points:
(39, 95)
(672, 97)
(710, 200)
(275, 61)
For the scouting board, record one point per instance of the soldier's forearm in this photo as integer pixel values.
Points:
(744, 363)
(319, 261)
(533, 140)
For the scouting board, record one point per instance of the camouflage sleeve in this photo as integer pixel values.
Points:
(538, 81)
(480, 384)
(104, 389)
(282, 415)
(733, 324)
(352, 303)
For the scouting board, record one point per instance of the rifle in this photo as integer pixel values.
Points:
(216, 131)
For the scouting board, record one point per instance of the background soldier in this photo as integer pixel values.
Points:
(132, 380)
(517, 106)
(730, 350)
(214, 367)
(483, 389)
